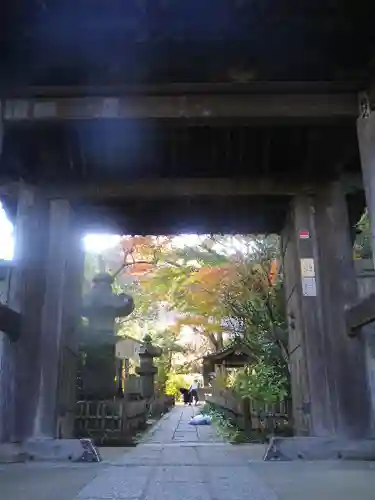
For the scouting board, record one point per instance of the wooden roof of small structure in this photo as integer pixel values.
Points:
(235, 355)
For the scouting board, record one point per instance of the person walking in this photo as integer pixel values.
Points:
(186, 395)
(193, 390)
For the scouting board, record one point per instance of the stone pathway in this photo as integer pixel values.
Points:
(175, 428)
(180, 462)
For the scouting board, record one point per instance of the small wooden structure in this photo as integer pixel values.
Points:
(263, 419)
(236, 355)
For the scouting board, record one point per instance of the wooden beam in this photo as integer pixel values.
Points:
(183, 187)
(184, 88)
(10, 322)
(185, 106)
(176, 188)
(361, 314)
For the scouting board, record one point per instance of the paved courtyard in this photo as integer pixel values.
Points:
(177, 461)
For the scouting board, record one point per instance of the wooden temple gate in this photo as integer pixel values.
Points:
(250, 155)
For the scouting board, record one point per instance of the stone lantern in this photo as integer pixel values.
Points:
(101, 307)
(146, 369)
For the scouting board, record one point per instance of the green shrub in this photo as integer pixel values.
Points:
(174, 383)
(261, 382)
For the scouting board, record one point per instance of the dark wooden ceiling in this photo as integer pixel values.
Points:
(122, 150)
(168, 169)
(80, 42)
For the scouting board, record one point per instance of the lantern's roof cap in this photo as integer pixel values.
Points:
(103, 278)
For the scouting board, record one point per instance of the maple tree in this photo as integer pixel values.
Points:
(190, 281)
(205, 283)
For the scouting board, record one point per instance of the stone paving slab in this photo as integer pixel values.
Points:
(180, 456)
(118, 483)
(44, 481)
(326, 480)
(233, 455)
(183, 436)
(237, 483)
(178, 491)
(185, 474)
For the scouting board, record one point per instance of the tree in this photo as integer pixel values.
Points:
(168, 341)
(256, 301)
(222, 288)
(220, 282)
(231, 283)
(190, 282)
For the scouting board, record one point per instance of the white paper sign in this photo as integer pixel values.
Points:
(309, 287)
(307, 268)
(16, 109)
(45, 109)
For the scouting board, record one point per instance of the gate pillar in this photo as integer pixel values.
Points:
(21, 359)
(329, 374)
(329, 380)
(45, 290)
(59, 320)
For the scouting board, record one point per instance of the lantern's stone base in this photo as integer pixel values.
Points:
(69, 450)
(316, 448)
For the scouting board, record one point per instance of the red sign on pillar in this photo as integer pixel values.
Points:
(304, 235)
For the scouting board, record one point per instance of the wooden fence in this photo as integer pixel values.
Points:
(264, 420)
(116, 422)
(161, 405)
(110, 422)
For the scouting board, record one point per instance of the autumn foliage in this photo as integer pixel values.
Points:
(201, 284)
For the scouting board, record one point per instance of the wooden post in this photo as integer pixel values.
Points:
(71, 329)
(246, 412)
(331, 366)
(20, 378)
(345, 356)
(299, 217)
(317, 404)
(59, 315)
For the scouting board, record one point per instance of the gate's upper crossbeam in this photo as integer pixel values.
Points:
(201, 106)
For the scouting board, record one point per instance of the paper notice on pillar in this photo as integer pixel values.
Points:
(307, 268)
(309, 287)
